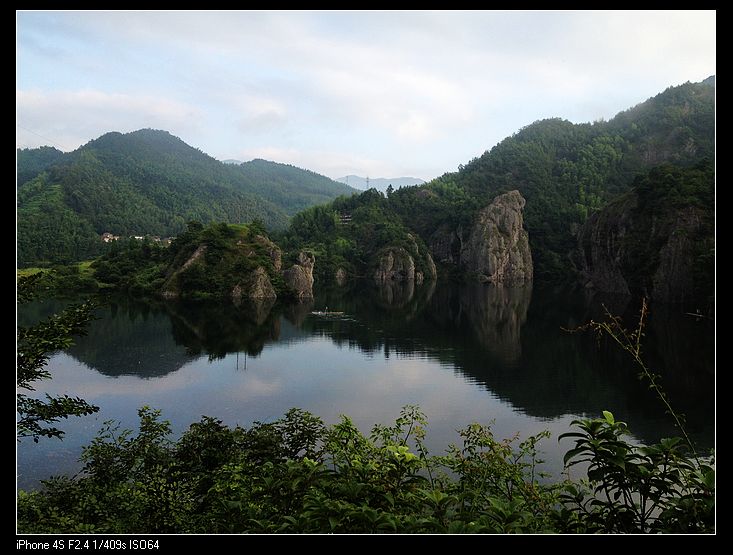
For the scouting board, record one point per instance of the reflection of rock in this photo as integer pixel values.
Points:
(257, 310)
(496, 314)
(299, 277)
(297, 312)
(395, 294)
(217, 329)
(497, 249)
(340, 276)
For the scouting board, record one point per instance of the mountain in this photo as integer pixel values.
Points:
(31, 162)
(147, 182)
(564, 171)
(232, 161)
(379, 183)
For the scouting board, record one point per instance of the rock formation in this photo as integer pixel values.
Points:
(652, 251)
(340, 277)
(273, 251)
(299, 277)
(256, 286)
(497, 249)
(394, 264)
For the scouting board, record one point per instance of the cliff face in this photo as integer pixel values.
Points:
(602, 248)
(299, 277)
(256, 286)
(395, 264)
(497, 249)
(399, 264)
(651, 242)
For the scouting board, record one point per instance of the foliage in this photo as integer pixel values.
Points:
(369, 225)
(636, 489)
(34, 346)
(146, 183)
(33, 161)
(665, 487)
(564, 171)
(297, 475)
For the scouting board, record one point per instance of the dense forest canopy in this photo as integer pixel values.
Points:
(565, 171)
(147, 182)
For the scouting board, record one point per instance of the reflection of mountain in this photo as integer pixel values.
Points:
(493, 336)
(561, 373)
(520, 353)
(131, 338)
(149, 339)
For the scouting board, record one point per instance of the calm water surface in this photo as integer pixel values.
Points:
(476, 353)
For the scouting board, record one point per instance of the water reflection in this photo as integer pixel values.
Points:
(506, 340)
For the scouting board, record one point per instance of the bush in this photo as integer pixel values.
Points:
(298, 475)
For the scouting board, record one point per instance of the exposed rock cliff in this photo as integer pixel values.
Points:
(224, 262)
(273, 251)
(446, 244)
(602, 247)
(413, 263)
(256, 286)
(497, 249)
(657, 252)
(340, 276)
(299, 277)
(394, 264)
(170, 291)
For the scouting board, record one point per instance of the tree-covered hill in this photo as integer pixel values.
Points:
(565, 171)
(147, 182)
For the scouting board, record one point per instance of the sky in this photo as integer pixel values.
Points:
(380, 94)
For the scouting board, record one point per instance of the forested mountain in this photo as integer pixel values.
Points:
(147, 182)
(32, 161)
(565, 172)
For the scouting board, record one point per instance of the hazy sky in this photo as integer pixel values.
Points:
(383, 94)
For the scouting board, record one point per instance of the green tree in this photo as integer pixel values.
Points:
(35, 345)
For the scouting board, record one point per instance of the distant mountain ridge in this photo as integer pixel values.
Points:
(147, 182)
(379, 183)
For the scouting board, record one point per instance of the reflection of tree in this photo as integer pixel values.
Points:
(131, 338)
(151, 339)
(217, 329)
(493, 336)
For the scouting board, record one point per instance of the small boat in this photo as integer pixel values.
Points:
(326, 313)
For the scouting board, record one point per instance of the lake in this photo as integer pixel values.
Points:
(463, 353)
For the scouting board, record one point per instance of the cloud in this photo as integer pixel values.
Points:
(72, 118)
(407, 92)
